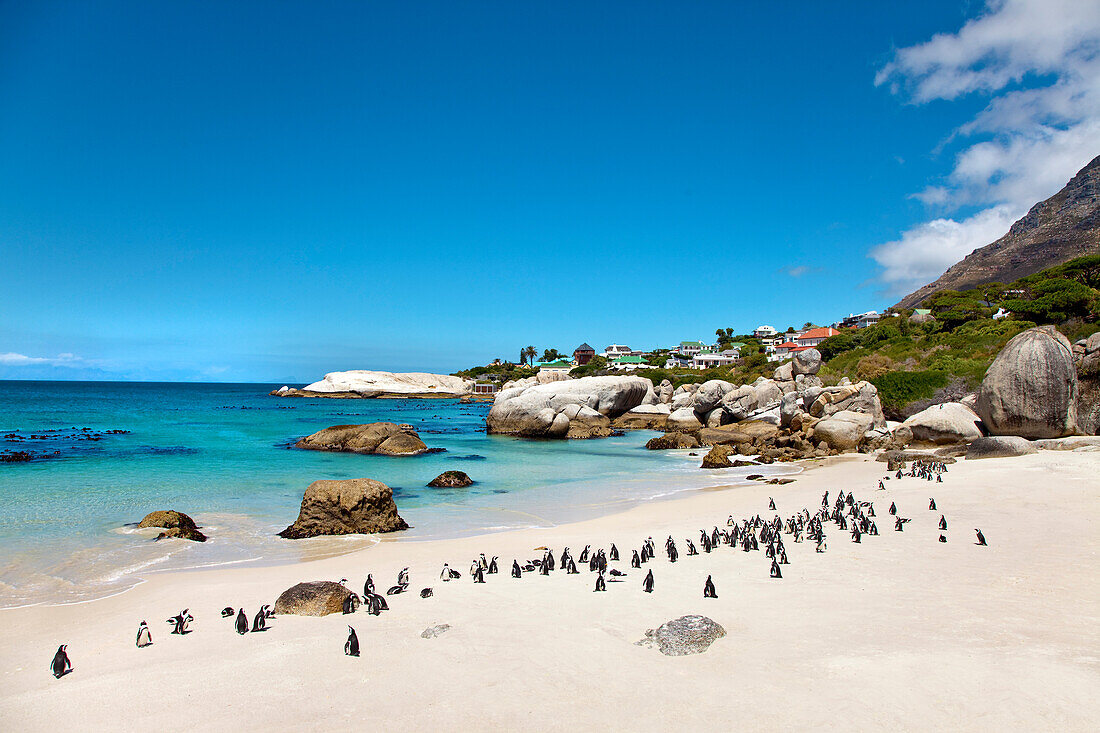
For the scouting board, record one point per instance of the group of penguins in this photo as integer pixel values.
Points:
(846, 512)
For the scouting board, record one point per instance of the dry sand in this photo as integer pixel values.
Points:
(899, 632)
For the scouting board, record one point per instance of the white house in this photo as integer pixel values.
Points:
(614, 351)
(708, 359)
(861, 320)
(691, 348)
(764, 332)
(561, 365)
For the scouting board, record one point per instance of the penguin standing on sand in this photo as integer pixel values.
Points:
(708, 589)
(368, 586)
(601, 584)
(479, 575)
(691, 548)
(179, 622)
(931, 505)
(351, 646)
(981, 538)
(614, 554)
(516, 572)
(493, 569)
(771, 503)
(144, 637)
(350, 605)
(943, 522)
(893, 509)
(584, 554)
(549, 560)
(61, 666)
(259, 622)
(241, 623)
(775, 572)
(647, 584)
(942, 538)
(572, 569)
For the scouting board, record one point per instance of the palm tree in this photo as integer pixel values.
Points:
(530, 353)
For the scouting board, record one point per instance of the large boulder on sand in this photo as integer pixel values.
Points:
(843, 430)
(806, 362)
(353, 506)
(384, 438)
(682, 636)
(541, 410)
(1088, 384)
(319, 598)
(684, 420)
(1030, 389)
(949, 422)
(176, 523)
(1000, 446)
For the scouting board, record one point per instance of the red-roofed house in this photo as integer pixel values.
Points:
(815, 336)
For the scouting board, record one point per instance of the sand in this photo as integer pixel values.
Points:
(898, 632)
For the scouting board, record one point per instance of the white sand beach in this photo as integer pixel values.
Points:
(898, 632)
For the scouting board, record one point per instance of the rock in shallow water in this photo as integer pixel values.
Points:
(385, 438)
(451, 480)
(682, 636)
(176, 523)
(353, 506)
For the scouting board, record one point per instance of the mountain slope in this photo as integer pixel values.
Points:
(1065, 226)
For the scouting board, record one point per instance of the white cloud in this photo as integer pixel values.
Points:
(1039, 60)
(13, 359)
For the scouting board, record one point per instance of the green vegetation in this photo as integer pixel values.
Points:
(497, 372)
(597, 364)
(898, 389)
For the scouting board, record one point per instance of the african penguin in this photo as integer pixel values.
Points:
(708, 589)
(144, 637)
(61, 666)
(241, 623)
(351, 646)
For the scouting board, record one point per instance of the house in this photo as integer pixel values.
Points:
(814, 336)
(709, 359)
(675, 361)
(561, 365)
(1001, 313)
(860, 320)
(583, 354)
(485, 388)
(616, 350)
(629, 361)
(785, 350)
(691, 348)
(764, 332)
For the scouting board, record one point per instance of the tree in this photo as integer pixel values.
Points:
(527, 355)
(551, 355)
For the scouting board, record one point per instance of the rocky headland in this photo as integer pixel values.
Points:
(361, 383)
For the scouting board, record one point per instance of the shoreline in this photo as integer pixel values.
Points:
(900, 631)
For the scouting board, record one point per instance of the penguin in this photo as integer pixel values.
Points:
(691, 548)
(708, 589)
(856, 535)
(479, 575)
(584, 554)
(899, 524)
(981, 538)
(269, 613)
(771, 503)
(943, 522)
(61, 666)
(403, 577)
(426, 593)
(931, 505)
(870, 510)
(942, 538)
(227, 612)
(445, 574)
(368, 586)
(601, 584)
(396, 590)
(783, 557)
(820, 543)
(881, 486)
(544, 569)
(614, 554)
(351, 646)
(516, 572)
(351, 603)
(647, 584)
(493, 569)
(484, 563)
(673, 553)
(259, 622)
(179, 622)
(242, 621)
(572, 568)
(893, 508)
(775, 572)
(144, 637)
(549, 561)
(939, 478)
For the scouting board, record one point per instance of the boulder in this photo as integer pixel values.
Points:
(709, 395)
(716, 418)
(1071, 443)
(806, 362)
(643, 417)
(718, 457)
(319, 598)
(946, 423)
(740, 402)
(385, 438)
(1088, 381)
(451, 480)
(858, 397)
(365, 383)
(683, 419)
(1030, 390)
(682, 636)
(843, 430)
(664, 391)
(176, 523)
(785, 373)
(540, 410)
(433, 631)
(352, 506)
(747, 431)
(1000, 446)
(680, 400)
(670, 441)
(790, 406)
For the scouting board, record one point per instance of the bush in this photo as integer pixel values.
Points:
(897, 389)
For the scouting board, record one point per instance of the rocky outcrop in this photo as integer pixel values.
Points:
(1000, 446)
(383, 438)
(643, 417)
(176, 524)
(1030, 390)
(684, 420)
(1086, 353)
(672, 441)
(353, 506)
(683, 636)
(363, 383)
(318, 598)
(950, 422)
(576, 408)
(806, 362)
(1065, 226)
(843, 430)
(1071, 443)
(718, 457)
(451, 480)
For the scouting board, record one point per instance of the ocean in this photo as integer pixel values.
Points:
(223, 454)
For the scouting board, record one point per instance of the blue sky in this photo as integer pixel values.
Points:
(269, 191)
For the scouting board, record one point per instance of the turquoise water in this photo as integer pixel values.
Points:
(221, 453)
